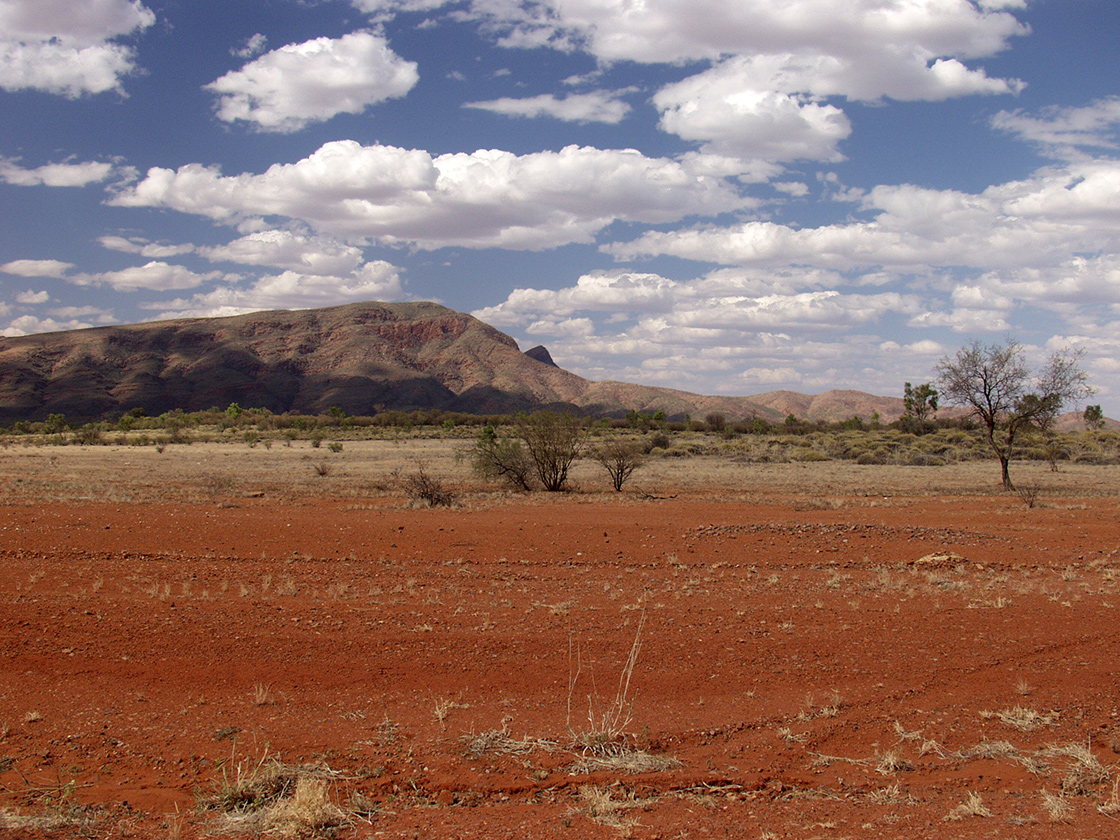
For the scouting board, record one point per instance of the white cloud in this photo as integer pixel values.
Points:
(288, 250)
(480, 200)
(143, 247)
(54, 174)
(599, 106)
(737, 121)
(1035, 222)
(37, 268)
(31, 298)
(776, 68)
(288, 88)
(254, 46)
(797, 189)
(1065, 129)
(767, 105)
(723, 327)
(68, 46)
(29, 324)
(895, 32)
(289, 290)
(377, 7)
(153, 276)
(104, 316)
(620, 291)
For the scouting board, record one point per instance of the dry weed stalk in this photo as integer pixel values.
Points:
(891, 762)
(604, 725)
(1111, 807)
(262, 695)
(443, 708)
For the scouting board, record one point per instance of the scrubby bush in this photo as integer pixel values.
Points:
(619, 458)
(502, 459)
(554, 441)
(423, 488)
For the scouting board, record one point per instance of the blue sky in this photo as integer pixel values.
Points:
(724, 197)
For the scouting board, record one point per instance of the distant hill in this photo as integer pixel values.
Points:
(363, 358)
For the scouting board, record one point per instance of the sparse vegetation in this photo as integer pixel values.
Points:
(267, 796)
(421, 487)
(554, 441)
(501, 458)
(619, 457)
(605, 724)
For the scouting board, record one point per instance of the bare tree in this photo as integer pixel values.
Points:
(995, 383)
(619, 458)
(554, 441)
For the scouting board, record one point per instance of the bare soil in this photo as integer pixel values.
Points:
(819, 652)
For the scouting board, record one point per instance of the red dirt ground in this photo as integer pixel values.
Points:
(812, 670)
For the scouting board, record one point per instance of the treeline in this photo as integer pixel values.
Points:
(235, 418)
(907, 441)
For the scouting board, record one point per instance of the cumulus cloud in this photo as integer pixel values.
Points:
(376, 280)
(31, 298)
(292, 251)
(153, 276)
(288, 88)
(600, 106)
(486, 199)
(30, 324)
(54, 174)
(739, 122)
(672, 31)
(379, 7)
(37, 268)
(1038, 221)
(777, 70)
(68, 47)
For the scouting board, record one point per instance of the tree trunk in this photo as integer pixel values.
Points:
(1004, 461)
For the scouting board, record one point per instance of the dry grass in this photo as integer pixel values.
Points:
(499, 741)
(596, 803)
(262, 695)
(267, 796)
(605, 724)
(890, 763)
(973, 806)
(443, 707)
(1056, 807)
(1111, 806)
(629, 761)
(140, 474)
(308, 811)
(1023, 719)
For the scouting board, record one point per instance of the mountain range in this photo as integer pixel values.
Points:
(362, 358)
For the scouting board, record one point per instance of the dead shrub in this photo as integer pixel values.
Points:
(425, 489)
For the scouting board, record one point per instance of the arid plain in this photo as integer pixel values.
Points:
(217, 640)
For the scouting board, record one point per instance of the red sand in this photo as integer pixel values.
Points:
(810, 672)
